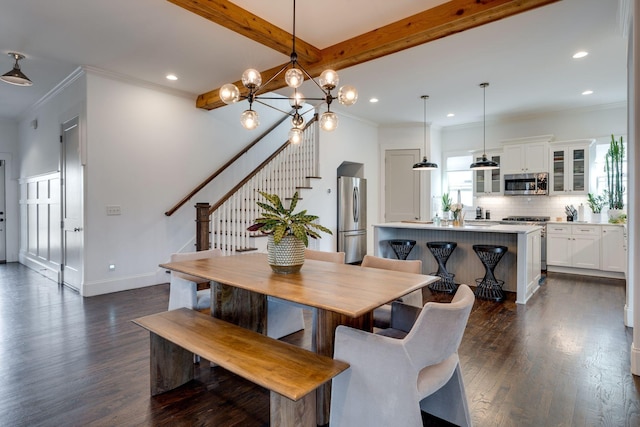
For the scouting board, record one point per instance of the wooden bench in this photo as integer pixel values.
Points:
(291, 373)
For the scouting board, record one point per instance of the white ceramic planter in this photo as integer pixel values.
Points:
(287, 256)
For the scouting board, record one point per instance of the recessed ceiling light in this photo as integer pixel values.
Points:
(450, 115)
(172, 77)
(587, 92)
(373, 100)
(580, 54)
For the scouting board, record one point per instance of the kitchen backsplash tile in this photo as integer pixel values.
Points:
(551, 206)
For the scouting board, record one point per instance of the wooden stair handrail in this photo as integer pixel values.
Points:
(223, 168)
(254, 172)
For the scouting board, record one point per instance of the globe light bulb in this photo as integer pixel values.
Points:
(347, 95)
(328, 121)
(249, 119)
(251, 78)
(328, 79)
(229, 93)
(295, 136)
(294, 78)
(297, 100)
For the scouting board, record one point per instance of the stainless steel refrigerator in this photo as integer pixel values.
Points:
(352, 218)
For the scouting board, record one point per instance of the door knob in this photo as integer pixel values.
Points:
(77, 229)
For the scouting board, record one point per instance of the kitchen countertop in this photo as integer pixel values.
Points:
(468, 227)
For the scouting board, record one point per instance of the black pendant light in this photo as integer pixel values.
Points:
(425, 165)
(484, 164)
(16, 76)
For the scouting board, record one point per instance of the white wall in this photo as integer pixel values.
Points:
(353, 141)
(9, 152)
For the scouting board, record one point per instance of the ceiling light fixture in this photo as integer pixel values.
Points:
(294, 77)
(15, 76)
(484, 164)
(172, 77)
(425, 165)
(587, 92)
(580, 54)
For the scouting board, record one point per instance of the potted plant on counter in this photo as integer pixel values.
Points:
(614, 162)
(446, 206)
(596, 203)
(288, 232)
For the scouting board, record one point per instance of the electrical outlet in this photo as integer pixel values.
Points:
(113, 210)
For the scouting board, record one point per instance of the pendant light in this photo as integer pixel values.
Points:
(425, 165)
(16, 76)
(484, 164)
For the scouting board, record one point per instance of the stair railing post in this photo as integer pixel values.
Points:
(202, 226)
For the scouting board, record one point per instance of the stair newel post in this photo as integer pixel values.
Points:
(202, 226)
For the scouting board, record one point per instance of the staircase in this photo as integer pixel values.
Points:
(292, 169)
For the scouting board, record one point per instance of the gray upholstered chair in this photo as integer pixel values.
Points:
(391, 380)
(382, 315)
(286, 317)
(183, 288)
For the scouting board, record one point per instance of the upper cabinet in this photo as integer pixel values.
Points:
(526, 155)
(488, 182)
(570, 161)
(525, 158)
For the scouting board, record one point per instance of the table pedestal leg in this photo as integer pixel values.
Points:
(324, 334)
(239, 306)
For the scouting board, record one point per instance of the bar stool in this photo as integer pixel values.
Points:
(489, 287)
(402, 247)
(441, 251)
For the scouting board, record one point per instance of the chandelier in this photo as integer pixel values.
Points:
(294, 76)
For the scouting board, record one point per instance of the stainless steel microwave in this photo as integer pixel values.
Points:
(526, 184)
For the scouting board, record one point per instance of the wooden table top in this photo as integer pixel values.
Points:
(342, 288)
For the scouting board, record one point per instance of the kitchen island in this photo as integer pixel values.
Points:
(519, 268)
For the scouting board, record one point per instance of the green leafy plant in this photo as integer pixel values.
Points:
(280, 221)
(614, 160)
(446, 202)
(596, 203)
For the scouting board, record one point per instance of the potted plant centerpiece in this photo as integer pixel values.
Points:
(288, 232)
(614, 160)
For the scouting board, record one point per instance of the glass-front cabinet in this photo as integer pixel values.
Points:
(487, 182)
(570, 168)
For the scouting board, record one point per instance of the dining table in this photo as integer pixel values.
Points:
(340, 294)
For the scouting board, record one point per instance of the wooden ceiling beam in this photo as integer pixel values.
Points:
(432, 24)
(241, 21)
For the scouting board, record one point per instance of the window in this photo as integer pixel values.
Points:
(599, 175)
(459, 179)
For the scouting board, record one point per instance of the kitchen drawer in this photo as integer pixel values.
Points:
(591, 230)
(558, 229)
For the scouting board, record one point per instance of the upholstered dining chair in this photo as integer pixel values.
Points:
(286, 317)
(382, 315)
(183, 288)
(391, 380)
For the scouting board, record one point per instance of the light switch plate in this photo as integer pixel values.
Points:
(113, 210)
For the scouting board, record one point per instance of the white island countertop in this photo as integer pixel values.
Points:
(475, 227)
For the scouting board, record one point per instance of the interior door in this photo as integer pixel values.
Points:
(402, 185)
(72, 202)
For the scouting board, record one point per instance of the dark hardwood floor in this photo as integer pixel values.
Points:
(562, 360)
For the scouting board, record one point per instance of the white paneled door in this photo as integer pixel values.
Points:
(402, 185)
(72, 201)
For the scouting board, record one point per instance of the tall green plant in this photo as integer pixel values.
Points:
(613, 167)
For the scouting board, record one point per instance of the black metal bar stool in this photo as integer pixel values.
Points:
(489, 287)
(441, 251)
(402, 247)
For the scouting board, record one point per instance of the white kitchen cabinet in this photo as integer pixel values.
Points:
(525, 158)
(614, 248)
(570, 168)
(488, 182)
(573, 245)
